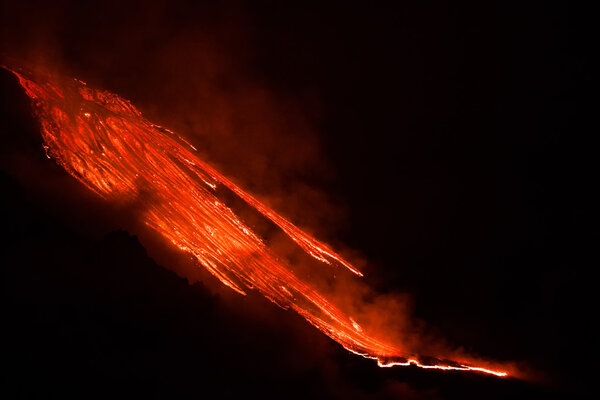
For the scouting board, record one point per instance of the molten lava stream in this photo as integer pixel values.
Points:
(105, 142)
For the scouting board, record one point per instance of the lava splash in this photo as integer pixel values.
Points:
(103, 141)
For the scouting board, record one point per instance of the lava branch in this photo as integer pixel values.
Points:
(441, 367)
(104, 141)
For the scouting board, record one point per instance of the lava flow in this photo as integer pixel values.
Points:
(105, 142)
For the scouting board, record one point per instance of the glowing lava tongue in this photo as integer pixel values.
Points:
(104, 142)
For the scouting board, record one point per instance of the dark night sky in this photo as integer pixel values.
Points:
(451, 152)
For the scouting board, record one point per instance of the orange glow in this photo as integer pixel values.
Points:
(105, 142)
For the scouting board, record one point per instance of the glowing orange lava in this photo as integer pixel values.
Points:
(104, 142)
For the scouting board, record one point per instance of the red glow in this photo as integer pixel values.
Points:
(104, 142)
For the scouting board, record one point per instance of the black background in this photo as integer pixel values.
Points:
(458, 139)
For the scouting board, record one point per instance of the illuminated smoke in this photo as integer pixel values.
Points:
(105, 142)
